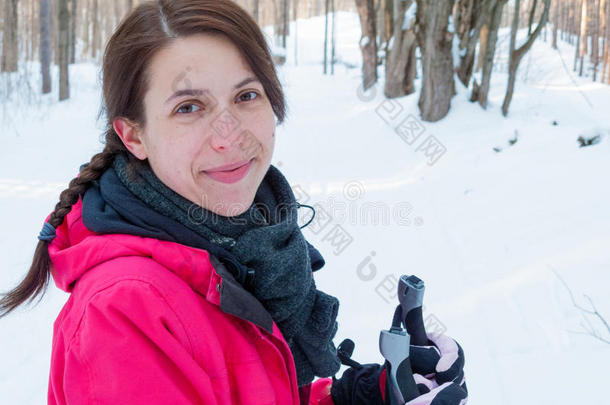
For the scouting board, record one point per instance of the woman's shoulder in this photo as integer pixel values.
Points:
(132, 287)
(138, 271)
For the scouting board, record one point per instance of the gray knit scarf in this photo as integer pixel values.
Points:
(266, 239)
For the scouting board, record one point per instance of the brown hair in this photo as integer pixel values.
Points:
(147, 29)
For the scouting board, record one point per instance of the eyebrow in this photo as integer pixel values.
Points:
(199, 92)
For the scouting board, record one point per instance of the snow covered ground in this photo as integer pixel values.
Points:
(486, 230)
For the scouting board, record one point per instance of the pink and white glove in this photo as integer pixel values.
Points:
(439, 372)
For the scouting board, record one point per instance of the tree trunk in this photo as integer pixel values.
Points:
(434, 38)
(45, 45)
(86, 26)
(583, 35)
(326, 35)
(10, 39)
(516, 55)
(380, 23)
(555, 23)
(332, 39)
(595, 37)
(471, 20)
(577, 27)
(606, 58)
(295, 14)
(389, 22)
(285, 11)
(73, 12)
(64, 56)
(484, 34)
(400, 61)
(54, 33)
(255, 11)
(490, 50)
(117, 12)
(368, 46)
(96, 40)
(531, 19)
(30, 36)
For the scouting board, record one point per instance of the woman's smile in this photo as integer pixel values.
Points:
(230, 176)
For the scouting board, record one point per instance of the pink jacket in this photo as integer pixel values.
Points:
(143, 325)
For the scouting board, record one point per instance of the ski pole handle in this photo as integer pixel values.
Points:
(394, 346)
(411, 296)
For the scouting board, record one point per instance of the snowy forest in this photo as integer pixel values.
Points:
(463, 141)
(442, 41)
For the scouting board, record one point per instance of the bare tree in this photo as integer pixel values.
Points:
(255, 11)
(73, 12)
(64, 56)
(31, 29)
(285, 21)
(10, 39)
(435, 40)
(400, 61)
(326, 35)
(97, 36)
(482, 45)
(555, 21)
(117, 11)
(606, 55)
(332, 38)
(586, 313)
(380, 15)
(515, 55)
(368, 45)
(295, 11)
(577, 28)
(494, 17)
(471, 16)
(533, 5)
(45, 45)
(583, 34)
(595, 5)
(388, 18)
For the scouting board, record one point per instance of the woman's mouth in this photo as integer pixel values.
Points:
(231, 176)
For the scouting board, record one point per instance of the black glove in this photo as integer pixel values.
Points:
(444, 384)
(359, 386)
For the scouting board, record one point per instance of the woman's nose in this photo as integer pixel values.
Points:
(227, 131)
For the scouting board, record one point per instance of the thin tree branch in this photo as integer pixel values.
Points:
(585, 323)
(588, 334)
(532, 37)
(597, 314)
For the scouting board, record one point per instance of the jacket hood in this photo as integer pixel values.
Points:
(76, 249)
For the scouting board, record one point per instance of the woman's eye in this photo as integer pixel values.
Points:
(186, 108)
(250, 95)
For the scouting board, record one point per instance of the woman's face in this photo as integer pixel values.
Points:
(204, 109)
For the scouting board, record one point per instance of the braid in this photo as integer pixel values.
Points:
(78, 185)
(37, 278)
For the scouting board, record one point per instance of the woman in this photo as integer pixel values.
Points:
(190, 279)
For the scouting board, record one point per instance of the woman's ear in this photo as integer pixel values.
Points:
(131, 135)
